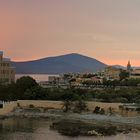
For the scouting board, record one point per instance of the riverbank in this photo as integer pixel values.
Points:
(94, 125)
(39, 129)
(59, 114)
(73, 127)
(58, 105)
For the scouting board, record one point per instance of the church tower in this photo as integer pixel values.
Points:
(129, 68)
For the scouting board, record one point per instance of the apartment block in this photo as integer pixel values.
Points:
(7, 73)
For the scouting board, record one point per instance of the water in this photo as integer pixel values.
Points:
(37, 77)
(38, 129)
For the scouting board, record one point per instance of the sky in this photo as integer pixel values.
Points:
(108, 30)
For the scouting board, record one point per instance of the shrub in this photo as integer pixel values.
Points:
(111, 111)
(102, 111)
(97, 110)
(18, 104)
(67, 105)
(1, 105)
(31, 106)
(80, 106)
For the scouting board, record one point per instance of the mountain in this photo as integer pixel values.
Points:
(70, 63)
(119, 67)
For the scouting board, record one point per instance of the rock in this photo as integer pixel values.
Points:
(94, 133)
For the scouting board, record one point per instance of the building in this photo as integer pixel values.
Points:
(54, 79)
(129, 67)
(135, 74)
(97, 79)
(7, 73)
(112, 73)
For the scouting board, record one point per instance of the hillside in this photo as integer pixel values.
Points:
(60, 64)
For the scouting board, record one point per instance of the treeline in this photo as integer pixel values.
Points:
(26, 88)
(113, 83)
(126, 82)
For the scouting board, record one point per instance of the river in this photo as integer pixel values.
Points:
(38, 129)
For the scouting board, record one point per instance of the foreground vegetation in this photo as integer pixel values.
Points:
(26, 88)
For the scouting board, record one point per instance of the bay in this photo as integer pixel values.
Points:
(37, 77)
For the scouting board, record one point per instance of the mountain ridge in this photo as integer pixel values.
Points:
(68, 63)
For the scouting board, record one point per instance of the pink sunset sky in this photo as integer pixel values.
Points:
(108, 30)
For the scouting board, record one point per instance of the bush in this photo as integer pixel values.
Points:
(80, 106)
(97, 110)
(1, 105)
(67, 105)
(110, 111)
(102, 111)
(18, 104)
(31, 106)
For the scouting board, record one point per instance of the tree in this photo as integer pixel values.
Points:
(35, 93)
(23, 84)
(123, 75)
(67, 105)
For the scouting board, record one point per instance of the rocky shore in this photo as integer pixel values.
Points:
(83, 124)
(72, 127)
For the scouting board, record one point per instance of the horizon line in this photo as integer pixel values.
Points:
(52, 56)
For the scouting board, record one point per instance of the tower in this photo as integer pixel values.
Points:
(129, 68)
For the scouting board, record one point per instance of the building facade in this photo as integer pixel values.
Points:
(7, 73)
(112, 73)
(135, 74)
(129, 67)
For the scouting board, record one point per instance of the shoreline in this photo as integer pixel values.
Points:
(58, 113)
(79, 124)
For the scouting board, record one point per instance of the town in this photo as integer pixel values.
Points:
(110, 85)
(109, 76)
(107, 93)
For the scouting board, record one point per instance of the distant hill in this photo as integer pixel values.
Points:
(124, 68)
(119, 67)
(70, 63)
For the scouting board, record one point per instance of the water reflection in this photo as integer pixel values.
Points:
(38, 129)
